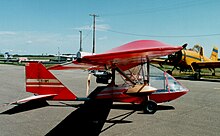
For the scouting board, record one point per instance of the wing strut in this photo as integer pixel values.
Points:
(146, 81)
(148, 70)
(124, 75)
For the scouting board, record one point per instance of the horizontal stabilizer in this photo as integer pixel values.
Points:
(35, 97)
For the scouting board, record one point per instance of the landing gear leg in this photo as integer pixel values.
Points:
(149, 107)
(213, 73)
(197, 74)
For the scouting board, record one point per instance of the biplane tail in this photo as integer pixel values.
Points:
(44, 85)
(214, 55)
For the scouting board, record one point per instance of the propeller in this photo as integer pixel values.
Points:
(88, 84)
(175, 58)
(184, 45)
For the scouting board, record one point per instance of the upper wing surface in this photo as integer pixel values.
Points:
(131, 54)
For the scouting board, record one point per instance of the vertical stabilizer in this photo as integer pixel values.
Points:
(214, 55)
(40, 81)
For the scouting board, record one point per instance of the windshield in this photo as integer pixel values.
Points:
(163, 81)
(158, 79)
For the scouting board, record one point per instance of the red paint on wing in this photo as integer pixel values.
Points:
(132, 53)
(150, 45)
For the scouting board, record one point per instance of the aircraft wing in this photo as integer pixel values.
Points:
(199, 65)
(130, 54)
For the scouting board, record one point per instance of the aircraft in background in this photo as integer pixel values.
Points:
(9, 58)
(23, 58)
(63, 58)
(126, 76)
(192, 59)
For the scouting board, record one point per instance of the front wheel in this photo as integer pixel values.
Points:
(150, 107)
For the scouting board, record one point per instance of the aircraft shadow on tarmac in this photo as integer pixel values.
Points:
(138, 107)
(88, 118)
(31, 105)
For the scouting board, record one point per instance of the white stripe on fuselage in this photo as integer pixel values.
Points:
(45, 86)
(42, 81)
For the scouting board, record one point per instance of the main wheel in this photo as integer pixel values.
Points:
(150, 107)
(196, 76)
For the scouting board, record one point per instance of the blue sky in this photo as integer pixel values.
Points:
(43, 26)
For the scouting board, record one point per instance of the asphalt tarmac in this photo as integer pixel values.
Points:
(196, 113)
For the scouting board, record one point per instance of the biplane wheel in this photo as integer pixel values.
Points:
(197, 76)
(150, 107)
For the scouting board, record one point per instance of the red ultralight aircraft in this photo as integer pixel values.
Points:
(125, 70)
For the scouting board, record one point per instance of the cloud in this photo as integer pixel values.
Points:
(99, 27)
(29, 42)
(37, 42)
(103, 38)
(100, 20)
(6, 33)
(86, 27)
(103, 27)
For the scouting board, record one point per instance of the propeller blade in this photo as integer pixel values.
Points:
(88, 84)
(184, 45)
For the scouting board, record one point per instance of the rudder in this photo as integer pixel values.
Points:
(40, 81)
(214, 54)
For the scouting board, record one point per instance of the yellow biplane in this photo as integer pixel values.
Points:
(193, 59)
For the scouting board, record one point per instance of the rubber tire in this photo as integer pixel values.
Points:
(196, 76)
(150, 107)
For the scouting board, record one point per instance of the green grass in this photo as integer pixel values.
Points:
(205, 73)
(40, 58)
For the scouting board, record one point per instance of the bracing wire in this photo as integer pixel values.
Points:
(159, 8)
(163, 36)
